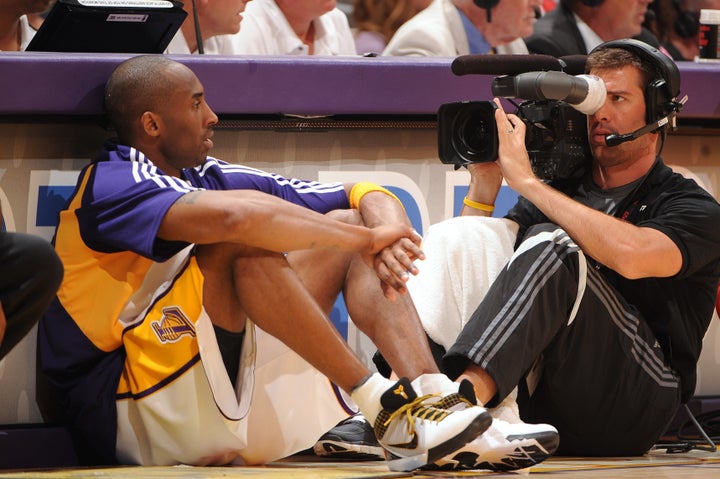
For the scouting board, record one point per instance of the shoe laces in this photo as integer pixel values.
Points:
(417, 410)
(452, 400)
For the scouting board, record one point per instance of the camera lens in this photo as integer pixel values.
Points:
(467, 132)
(476, 133)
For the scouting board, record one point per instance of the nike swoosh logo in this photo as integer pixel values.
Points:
(412, 444)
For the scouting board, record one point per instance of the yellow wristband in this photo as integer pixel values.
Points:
(364, 187)
(476, 205)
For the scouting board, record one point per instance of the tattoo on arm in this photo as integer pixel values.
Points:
(190, 198)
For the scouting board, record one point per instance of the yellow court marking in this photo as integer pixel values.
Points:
(311, 468)
(372, 470)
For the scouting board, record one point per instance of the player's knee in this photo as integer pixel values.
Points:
(230, 256)
(350, 216)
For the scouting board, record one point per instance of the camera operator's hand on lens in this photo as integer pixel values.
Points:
(513, 157)
(394, 263)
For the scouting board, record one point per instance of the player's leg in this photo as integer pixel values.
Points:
(262, 285)
(393, 326)
(243, 281)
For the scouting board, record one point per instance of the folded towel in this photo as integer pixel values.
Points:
(464, 256)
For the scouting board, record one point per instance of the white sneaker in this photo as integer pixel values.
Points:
(504, 447)
(415, 433)
(354, 439)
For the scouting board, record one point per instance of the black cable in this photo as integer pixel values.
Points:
(198, 36)
(707, 428)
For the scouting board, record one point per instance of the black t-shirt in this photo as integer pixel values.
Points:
(678, 309)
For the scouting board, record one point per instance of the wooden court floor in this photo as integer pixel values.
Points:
(657, 464)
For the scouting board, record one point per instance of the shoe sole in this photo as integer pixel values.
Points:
(341, 450)
(527, 453)
(410, 463)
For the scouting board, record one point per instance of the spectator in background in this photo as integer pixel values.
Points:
(676, 24)
(36, 19)
(31, 274)
(377, 20)
(15, 30)
(218, 20)
(448, 28)
(294, 27)
(575, 27)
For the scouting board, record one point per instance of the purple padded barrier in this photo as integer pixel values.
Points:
(72, 83)
(43, 83)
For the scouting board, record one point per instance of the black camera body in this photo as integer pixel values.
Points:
(556, 135)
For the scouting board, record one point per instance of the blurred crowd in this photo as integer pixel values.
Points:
(408, 27)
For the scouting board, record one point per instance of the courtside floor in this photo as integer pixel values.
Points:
(657, 464)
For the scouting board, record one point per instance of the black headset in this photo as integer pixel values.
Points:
(686, 24)
(664, 85)
(486, 4)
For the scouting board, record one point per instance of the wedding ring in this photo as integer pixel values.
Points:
(511, 130)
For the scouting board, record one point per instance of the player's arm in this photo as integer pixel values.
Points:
(379, 206)
(265, 221)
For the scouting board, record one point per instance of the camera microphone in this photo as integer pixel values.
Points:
(574, 64)
(503, 64)
(586, 93)
(513, 64)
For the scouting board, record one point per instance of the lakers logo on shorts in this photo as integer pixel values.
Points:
(173, 325)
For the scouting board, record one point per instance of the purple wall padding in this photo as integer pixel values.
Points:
(72, 83)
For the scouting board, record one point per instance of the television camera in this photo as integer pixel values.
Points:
(553, 111)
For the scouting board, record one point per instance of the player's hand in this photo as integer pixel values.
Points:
(395, 263)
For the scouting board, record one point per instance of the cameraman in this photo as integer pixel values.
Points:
(613, 280)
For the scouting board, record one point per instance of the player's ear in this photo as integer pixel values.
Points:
(150, 123)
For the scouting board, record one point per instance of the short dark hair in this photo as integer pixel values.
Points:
(135, 86)
(615, 58)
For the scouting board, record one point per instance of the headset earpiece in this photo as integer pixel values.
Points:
(486, 4)
(657, 100)
(686, 24)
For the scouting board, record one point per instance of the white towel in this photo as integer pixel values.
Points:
(464, 256)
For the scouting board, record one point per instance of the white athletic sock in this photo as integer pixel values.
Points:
(434, 383)
(367, 396)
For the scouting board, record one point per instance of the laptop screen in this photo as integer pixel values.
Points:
(109, 26)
